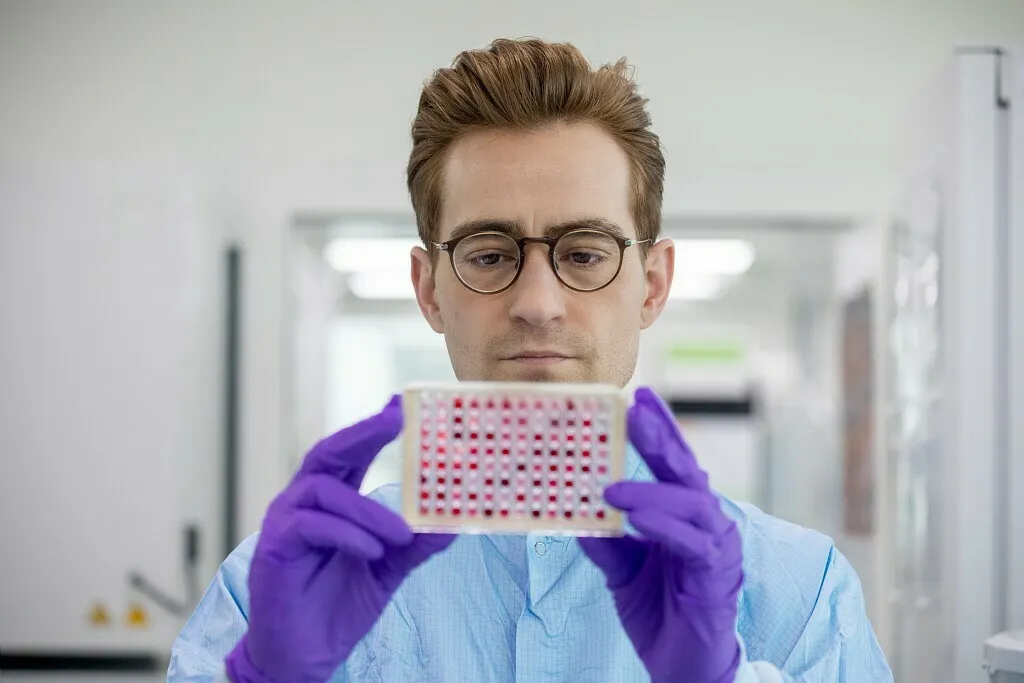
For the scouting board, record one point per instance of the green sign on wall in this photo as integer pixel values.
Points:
(706, 354)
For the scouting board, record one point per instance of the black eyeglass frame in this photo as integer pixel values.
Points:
(623, 243)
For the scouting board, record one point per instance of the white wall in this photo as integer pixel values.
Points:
(765, 108)
(190, 122)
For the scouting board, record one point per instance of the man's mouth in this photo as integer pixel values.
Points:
(539, 357)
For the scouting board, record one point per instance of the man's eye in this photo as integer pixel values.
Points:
(486, 259)
(584, 258)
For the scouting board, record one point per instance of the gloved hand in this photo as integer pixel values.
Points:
(326, 563)
(676, 587)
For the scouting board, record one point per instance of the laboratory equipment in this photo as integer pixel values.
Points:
(1004, 657)
(487, 457)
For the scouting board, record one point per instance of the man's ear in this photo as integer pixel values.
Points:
(423, 283)
(659, 269)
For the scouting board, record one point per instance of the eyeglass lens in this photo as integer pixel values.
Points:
(583, 259)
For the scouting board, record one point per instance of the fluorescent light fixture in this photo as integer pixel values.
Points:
(355, 254)
(691, 287)
(699, 256)
(381, 285)
(714, 257)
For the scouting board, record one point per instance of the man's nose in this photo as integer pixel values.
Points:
(538, 297)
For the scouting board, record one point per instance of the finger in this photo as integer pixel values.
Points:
(694, 545)
(349, 452)
(326, 532)
(327, 493)
(701, 508)
(654, 432)
(619, 558)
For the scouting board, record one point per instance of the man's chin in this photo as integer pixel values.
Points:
(568, 370)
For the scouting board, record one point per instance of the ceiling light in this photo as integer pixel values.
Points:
(381, 285)
(355, 254)
(696, 288)
(720, 257)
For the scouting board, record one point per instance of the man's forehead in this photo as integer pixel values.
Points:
(536, 183)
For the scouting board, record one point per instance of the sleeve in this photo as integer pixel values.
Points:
(837, 645)
(216, 625)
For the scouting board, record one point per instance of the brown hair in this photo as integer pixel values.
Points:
(523, 84)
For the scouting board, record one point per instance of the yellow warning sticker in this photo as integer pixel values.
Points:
(137, 617)
(99, 616)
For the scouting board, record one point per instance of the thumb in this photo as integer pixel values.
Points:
(349, 452)
(619, 558)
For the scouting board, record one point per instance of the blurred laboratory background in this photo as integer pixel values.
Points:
(204, 236)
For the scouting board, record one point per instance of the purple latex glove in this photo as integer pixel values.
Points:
(326, 563)
(676, 586)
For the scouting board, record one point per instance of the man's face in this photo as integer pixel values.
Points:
(539, 329)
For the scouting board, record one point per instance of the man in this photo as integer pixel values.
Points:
(537, 188)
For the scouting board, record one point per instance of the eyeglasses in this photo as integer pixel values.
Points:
(582, 260)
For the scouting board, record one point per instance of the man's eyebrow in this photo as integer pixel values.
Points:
(592, 223)
(514, 228)
(511, 228)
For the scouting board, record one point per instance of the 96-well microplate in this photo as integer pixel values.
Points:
(489, 457)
